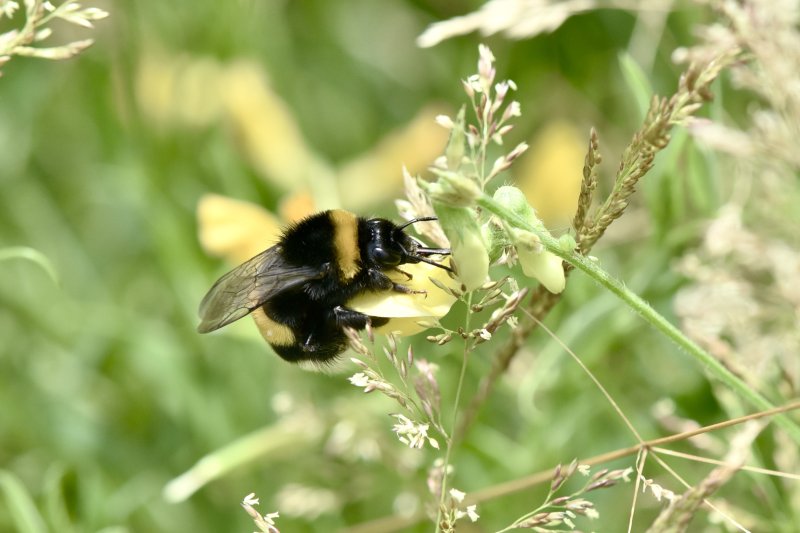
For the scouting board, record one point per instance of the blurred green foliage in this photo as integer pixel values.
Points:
(107, 392)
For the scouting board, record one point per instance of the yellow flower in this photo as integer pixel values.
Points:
(538, 263)
(235, 230)
(408, 310)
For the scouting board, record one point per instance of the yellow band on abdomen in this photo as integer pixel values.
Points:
(273, 332)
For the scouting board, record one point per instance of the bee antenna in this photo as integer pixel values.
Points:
(415, 220)
(420, 248)
(434, 263)
(415, 257)
(433, 251)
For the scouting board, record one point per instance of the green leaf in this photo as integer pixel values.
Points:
(23, 512)
(637, 82)
(54, 498)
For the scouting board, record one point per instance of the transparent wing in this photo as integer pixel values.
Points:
(246, 287)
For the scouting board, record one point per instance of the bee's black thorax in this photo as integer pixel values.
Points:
(328, 238)
(353, 249)
(310, 241)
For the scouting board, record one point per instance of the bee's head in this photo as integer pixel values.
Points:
(388, 245)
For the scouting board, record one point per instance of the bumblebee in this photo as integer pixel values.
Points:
(297, 290)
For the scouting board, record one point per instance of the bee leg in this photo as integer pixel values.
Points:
(396, 287)
(381, 282)
(310, 345)
(403, 272)
(353, 319)
(349, 318)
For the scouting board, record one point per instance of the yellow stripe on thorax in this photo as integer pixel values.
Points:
(273, 333)
(345, 240)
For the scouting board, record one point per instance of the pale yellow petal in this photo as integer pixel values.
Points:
(435, 303)
(266, 128)
(178, 89)
(297, 206)
(234, 229)
(197, 99)
(155, 86)
(544, 266)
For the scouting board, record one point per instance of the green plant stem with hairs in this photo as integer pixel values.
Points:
(636, 303)
(451, 441)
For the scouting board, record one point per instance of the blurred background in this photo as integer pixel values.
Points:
(108, 396)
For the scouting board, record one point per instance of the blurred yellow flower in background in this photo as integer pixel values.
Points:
(376, 176)
(188, 91)
(550, 173)
(235, 230)
(178, 89)
(266, 130)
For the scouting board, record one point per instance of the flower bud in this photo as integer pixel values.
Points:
(513, 199)
(567, 242)
(536, 262)
(543, 266)
(468, 249)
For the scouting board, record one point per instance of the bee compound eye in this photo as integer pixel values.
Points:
(385, 257)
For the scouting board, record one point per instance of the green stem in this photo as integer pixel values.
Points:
(591, 269)
(450, 440)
